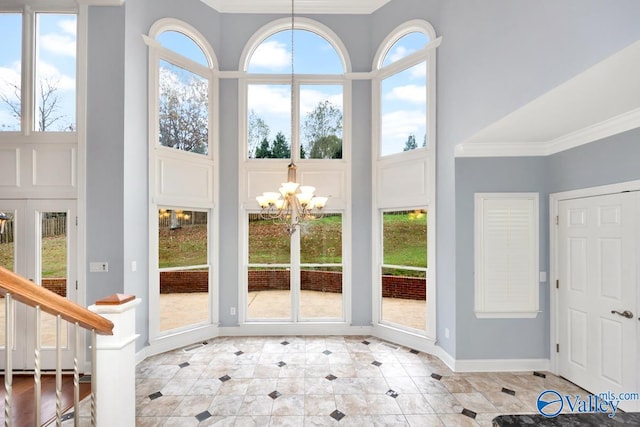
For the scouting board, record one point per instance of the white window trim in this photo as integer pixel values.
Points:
(174, 338)
(246, 165)
(531, 308)
(427, 53)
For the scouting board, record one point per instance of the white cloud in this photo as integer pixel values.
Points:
(9, 76)
(269, 99)
(398, 125)
(53, 74)
(272, 56)
(61, 43)
(310, 98)
(399, 53)
(68, 26)
(409, 93)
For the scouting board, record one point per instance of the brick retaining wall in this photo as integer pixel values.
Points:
(310, 280)
(59, 286)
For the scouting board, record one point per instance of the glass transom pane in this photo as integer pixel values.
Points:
(404, 111)
(313, 54)
(55, 73)
(10, 70)
(184, 45)
(405, 46)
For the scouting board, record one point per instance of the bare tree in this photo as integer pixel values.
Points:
(48, 108)
(184, 111)
(323, 131)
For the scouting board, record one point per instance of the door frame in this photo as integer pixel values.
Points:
(554, 202)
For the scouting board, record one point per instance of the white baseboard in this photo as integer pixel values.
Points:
(276, 329)
(500, 365)
(397, 336)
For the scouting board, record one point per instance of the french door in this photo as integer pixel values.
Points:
(39, 243)
(298, 277)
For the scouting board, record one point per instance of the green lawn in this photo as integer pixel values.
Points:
(404, 236)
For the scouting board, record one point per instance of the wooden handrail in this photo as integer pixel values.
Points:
(29, 293)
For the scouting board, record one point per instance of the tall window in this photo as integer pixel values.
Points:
(318, 93)
(297, 278)
(404, 176)
(44, 101)
(182, 164)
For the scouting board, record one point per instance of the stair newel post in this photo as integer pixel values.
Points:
(114, 363)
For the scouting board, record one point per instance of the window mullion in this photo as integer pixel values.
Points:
(27, 99)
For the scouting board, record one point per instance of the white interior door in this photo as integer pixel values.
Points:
(598, 297)
(42, 248)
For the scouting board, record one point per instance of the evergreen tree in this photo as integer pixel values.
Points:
(411, 143)
(280, 148)
(263, 151)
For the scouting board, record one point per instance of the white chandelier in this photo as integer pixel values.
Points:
(292, 203)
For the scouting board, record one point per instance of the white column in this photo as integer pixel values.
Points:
(115, 365)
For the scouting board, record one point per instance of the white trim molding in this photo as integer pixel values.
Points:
(501, 365)
(302, 6)
(613, 126)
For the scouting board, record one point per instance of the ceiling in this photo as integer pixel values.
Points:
(599, 102)
(301, 6)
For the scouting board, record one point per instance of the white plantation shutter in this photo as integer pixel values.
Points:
(506, 254)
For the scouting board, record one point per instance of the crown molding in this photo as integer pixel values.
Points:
(301, 6)
(613, 126)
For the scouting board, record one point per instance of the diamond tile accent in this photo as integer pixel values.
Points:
(539, 374)
(327, 352)
(469, 413)
(337, 415)
(238, 353)
(275, 394)
(154, 396)
(392, 393)
(436, 376)
(365, 342)
(281, 364)
(508, 391)
(203, 416)
(184, 365)
(331, 377)
(376, 363)
(68, 416)
(285, 343)
(414, 351)
(225, 378)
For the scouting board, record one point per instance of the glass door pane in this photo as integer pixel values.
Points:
(53, 270)
(183, 260)
(404, 269)
(321, 268)
(7, 258)
(269, 278)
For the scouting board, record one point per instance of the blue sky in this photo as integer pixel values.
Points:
(55, 62)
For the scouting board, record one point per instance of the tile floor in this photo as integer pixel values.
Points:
(322, 381)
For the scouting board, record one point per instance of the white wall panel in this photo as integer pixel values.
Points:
(54, 166)
(403, 184)
(185, 183)
(10, 167)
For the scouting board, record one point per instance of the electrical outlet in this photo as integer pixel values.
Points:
(99, 267)
(232, 311)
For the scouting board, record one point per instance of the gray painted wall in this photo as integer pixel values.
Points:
(611, 160)
(496, 55)
(498, 338)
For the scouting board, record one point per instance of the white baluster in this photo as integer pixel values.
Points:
(94, 377)
(37, 371)
(8, 370)
(76, 378)
(58, 371)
